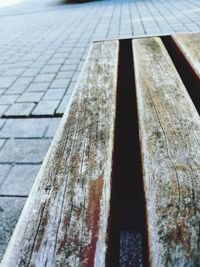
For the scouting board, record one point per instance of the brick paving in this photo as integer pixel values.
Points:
(43, 46)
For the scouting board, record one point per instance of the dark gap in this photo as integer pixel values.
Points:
(31, 116)
(185, 70)
(127, 240)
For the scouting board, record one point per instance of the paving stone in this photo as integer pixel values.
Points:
(76, 77)
(72, 61)
(71, 87)
(8, 99)
(53, 126)
(50, 69)
(24, 150)
(23, 81)
(44, 78)
(2, 122)
(2, 141)
(60, 83)
(3, 109)
(55, 61)
(4, 169)
(14, 71)
(46, 107)
(23, 175)
(5, 82)
(2, 91)
(10, 210)
(16, 89)
(38, 87)
(62, 107)
(31, 72)
(24, 128)
(65, 74)
(30, 97)
(20, 109)
(68, 67)
(54, 94)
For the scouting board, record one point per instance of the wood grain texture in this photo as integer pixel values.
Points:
(170, 142)
(65, 219)
(189, 44)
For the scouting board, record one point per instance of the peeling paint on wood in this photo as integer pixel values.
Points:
(65, 219)
(170, 142)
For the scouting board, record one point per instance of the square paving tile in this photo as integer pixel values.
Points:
(10, 210)
(46, 107)
(24, 128)
(23, 175)
(24, 150)
(20, 109)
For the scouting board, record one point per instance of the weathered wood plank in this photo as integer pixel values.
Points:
(65, 219)
(189, 44)
(170, 142)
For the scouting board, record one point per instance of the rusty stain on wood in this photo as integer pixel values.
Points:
(92, 215)
(170, 142)
(65, 219)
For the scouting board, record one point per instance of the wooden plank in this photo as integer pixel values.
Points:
(65, 219)
(189, 44)
(170, 142)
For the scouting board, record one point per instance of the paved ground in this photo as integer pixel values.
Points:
(43, 45)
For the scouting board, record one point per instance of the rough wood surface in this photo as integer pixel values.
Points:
(189, 44)
(65, 219)
(170, 141)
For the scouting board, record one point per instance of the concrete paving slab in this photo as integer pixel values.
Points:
(60, 83)
(19, 180)
(2, 122)
(10, 210)
(6, 81)
(2, 142)
(24, 128)
(38, 87)
(30, 97)
(3, 109)
(24, 151)
(51, 130)
(63, 105)
(54, 94)
(46, 107)
(4, 169)
(16, 89)
(20, 109)
(8, 99)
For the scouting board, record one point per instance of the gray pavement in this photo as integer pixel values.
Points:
(43, 46)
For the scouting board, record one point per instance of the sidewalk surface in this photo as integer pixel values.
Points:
(43, 45)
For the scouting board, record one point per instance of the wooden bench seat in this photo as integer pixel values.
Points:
(170, 143)
(66, 219)
(189, 46)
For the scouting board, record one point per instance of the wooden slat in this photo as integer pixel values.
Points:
(65, 219)
(170, 142)
(189, 44)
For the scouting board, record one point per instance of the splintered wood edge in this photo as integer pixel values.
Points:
(169, 128)
(189, 45)
(13, 255)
